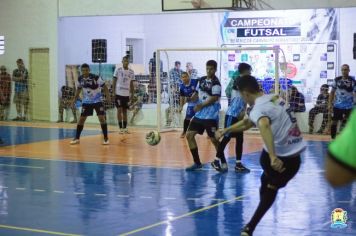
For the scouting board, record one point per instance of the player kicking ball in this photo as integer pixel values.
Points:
(234, 113)
(283, 144)
(91, 86)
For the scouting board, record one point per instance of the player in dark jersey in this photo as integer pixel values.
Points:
(186, 90)
(91, 85)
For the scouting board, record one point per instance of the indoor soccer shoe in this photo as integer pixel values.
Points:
(74, 142)
(241, 169)
(221, 168)
(106, 142)
(194, 167)
(246, 231)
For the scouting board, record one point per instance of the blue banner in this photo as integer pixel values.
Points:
(268, 32)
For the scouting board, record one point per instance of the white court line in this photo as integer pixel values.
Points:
(123, 195)
(100, 194)
(56, 191)
(39, 190)
(193, 199)
(145, 197)
(78, 193)
(30, 167)
(20, 188)
(170, 198)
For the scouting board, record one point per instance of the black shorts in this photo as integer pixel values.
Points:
(230, 120)
(200, 126)
(122, 101)
(340, 114)
(275, 178)
(87, 109)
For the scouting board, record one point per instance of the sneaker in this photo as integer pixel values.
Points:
(182, 135)
(221, 168)
(121, 131)
(194, 167)
(23, 118)
(74, 122)
(241, 169)
(126, 131)
(17, 118)
(74, 141)
(320, 131)
(246, 231)
(59, 121)
(106, 142)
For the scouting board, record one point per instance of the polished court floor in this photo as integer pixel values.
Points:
(48, 187)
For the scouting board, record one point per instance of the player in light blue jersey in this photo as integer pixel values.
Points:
(186, 89)
(234, 113)
(207, 112)
(91, 86)
(341, 99)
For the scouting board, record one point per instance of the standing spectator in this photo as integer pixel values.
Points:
(296, 100)
(341, 98)
(152, 67)
(320, 107)
(5, 93)
(66, 102)
(152, 88)
(175, 74)
(21, 97)
(136, 100)
(193, 73)
(122, 84)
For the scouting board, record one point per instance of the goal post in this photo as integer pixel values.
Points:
(219, 54)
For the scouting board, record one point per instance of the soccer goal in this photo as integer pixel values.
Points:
(268, 63)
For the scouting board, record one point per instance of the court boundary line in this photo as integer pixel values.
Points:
(36, 230)
(181, 216)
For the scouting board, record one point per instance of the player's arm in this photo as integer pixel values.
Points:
(240, 126)
(76, 96)
(264, 126)
(107, 93)
(332, 96)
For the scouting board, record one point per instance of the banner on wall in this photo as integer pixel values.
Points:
(308, 38)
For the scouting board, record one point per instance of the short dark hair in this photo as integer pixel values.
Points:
(212, 63)
(248, 83)
(85, 65)
(19, 60)
(184, 73)
(126, 57)
(324, 86)
(244, 67)
(177, 63)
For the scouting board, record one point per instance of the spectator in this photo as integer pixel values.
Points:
(193, 73)
(21, 97)
(296, 100)
(66, 102)
(136, 100)
(175, 74)
(5, 93)
(320, 107)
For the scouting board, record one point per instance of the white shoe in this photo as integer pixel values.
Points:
(106, 142)
(74, 142)
(121, 131)
(126, 131)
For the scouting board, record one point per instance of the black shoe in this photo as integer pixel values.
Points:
(246, 231)
(241, 169)
(320, 131)
(219, 167)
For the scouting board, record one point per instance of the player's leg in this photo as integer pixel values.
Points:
(271, 182)
(337, 115)
(100, 111)
(188, 116)
(61, 111)
(87, 110)
(220, 156)
(118, 103)
(74, 111)
(346, 115)
(2, 112)
(125, 106)
(196, 126)
(324, 122)
(239, 167)
(18, 106)
(26, 103)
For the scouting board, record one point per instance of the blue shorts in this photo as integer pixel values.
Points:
(189, 113)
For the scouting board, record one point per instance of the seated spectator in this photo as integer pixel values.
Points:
(66, 102)
(109, 103)
(5, 93)
(296, 100)
(136, 100)
(320, 107)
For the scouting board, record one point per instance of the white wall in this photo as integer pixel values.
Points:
(30, 24)
(347, 30)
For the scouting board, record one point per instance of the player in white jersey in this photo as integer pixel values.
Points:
(207, 112)
(91, 85)
(283, 143)
(123, 86)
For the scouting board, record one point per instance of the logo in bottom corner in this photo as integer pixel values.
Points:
(338, 218)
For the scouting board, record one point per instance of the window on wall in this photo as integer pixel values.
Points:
(2, 45)
(129, 52)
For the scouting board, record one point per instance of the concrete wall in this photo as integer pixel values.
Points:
(30, 24)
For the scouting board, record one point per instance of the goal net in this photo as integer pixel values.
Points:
(268, 63)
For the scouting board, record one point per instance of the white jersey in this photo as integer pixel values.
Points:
(288, 140)
(124, 78)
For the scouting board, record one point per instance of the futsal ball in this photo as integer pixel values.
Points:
(153, 138)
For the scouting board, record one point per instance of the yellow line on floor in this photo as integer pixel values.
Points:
(181, 216)
(36, 230)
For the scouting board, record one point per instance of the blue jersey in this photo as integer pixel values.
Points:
(207, 89)
(344, 92)
(188, 90)
(91, 88)
(237, 104)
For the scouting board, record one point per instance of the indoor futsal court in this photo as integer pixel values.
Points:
(130, 188)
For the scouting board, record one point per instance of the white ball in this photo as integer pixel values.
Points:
(153, 138)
